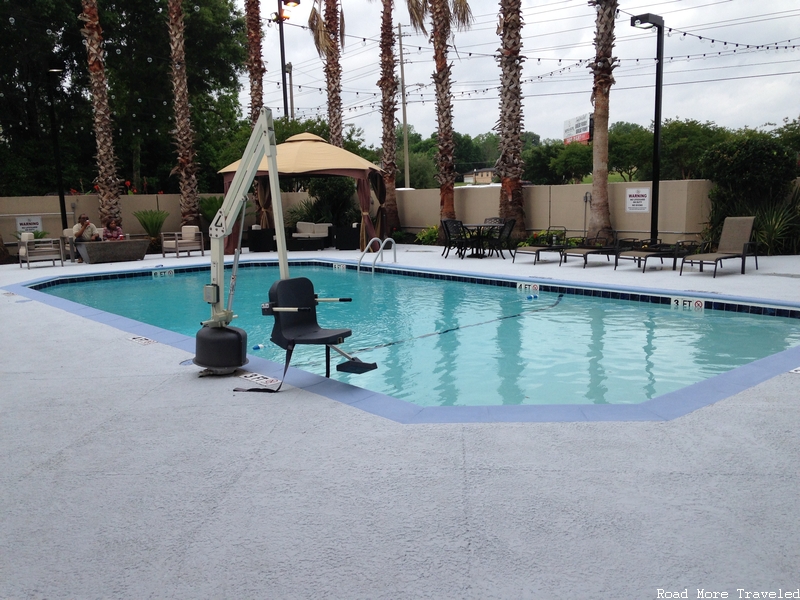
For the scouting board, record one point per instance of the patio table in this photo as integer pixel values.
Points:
(479, 232)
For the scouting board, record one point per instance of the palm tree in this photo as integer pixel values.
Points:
(108, 183)
(444, 13)
(184, 136)
(602, 67)
(509, 165)
(388, 86)
(328, 36)
(255, 66)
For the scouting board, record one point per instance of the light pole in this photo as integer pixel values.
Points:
(648, 21)
(51, 73)
(280, 18)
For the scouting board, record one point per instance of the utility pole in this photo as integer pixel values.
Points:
(406, 170)
(291, 89)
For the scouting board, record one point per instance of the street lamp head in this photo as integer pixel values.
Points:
(647, 21)
(291, 3)
(55, 65)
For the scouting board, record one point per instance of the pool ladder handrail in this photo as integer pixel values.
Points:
(379, 252)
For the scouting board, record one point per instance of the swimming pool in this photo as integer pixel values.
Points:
(450, 343)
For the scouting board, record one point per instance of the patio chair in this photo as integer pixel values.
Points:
(655, 249)
(293, 303)
(33, 250)
(188, 239)
(494, 221)
(503, 239)
(734, 242)
(455, 236)
(602, 244)
(554, 240)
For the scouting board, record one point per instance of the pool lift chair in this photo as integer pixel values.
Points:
(220, 348)
(293, 304)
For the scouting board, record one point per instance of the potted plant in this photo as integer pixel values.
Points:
(152, 221)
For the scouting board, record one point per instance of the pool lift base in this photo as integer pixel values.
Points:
(220, 350)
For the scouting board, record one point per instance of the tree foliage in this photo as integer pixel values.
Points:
(574, 162)
(137, 62)
(538, 163)
(753, 175)
(682, 145)
(630, 150)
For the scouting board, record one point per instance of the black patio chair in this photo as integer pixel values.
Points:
(455, 236)
(503, 240)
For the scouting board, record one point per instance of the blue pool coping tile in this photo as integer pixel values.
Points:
(662, 408)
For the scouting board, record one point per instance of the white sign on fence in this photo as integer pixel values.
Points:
(31, 223)
(637, 200)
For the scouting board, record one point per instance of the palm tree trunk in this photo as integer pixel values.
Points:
(108, 183)
(602, 68)
(184, 136)
(333, 72)
(509, 165)
(255, 66)
(388, 85)
(446, 173)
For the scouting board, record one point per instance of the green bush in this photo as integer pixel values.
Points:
(310, 211)
(403, 237)
(209, 206)
(151, 221)
(428, 236)
(334, 200)
(37, 235)
(753, 176)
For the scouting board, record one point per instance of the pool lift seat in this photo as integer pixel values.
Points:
(293, 304)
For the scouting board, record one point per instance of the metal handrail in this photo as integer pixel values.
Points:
(379, 252)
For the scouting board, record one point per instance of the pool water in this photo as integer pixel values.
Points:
(450, 343)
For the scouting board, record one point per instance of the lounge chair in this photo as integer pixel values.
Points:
(293, 303)
(655, 249)
(603, 245)
(455, 236)
(188, 239)
(734, 242)
(555, 240)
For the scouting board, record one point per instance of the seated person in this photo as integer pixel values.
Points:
(85, 231)
(113, 231)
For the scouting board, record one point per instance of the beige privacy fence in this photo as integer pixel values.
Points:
(683, 208)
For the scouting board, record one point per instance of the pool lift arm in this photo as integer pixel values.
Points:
(221, 348)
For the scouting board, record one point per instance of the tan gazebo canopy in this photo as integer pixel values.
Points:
(306, 154)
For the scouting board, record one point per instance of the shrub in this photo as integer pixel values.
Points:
(428, 236)
(334, 197)
(37, 235)
(403, 237)
(209, 206)
(151, 221)
(754, 176)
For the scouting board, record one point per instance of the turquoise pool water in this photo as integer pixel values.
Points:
(442, 343)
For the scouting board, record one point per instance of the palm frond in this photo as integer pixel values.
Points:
(461, 14)
(317, 26)
(417, 11)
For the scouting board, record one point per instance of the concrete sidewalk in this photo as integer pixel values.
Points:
(127, 476)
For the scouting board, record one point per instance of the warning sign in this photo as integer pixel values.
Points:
(637, 200)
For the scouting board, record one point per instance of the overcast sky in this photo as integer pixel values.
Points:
(709, 81)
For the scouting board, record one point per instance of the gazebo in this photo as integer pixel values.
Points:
(308, 155)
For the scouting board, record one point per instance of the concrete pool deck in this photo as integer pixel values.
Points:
(125, 475)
